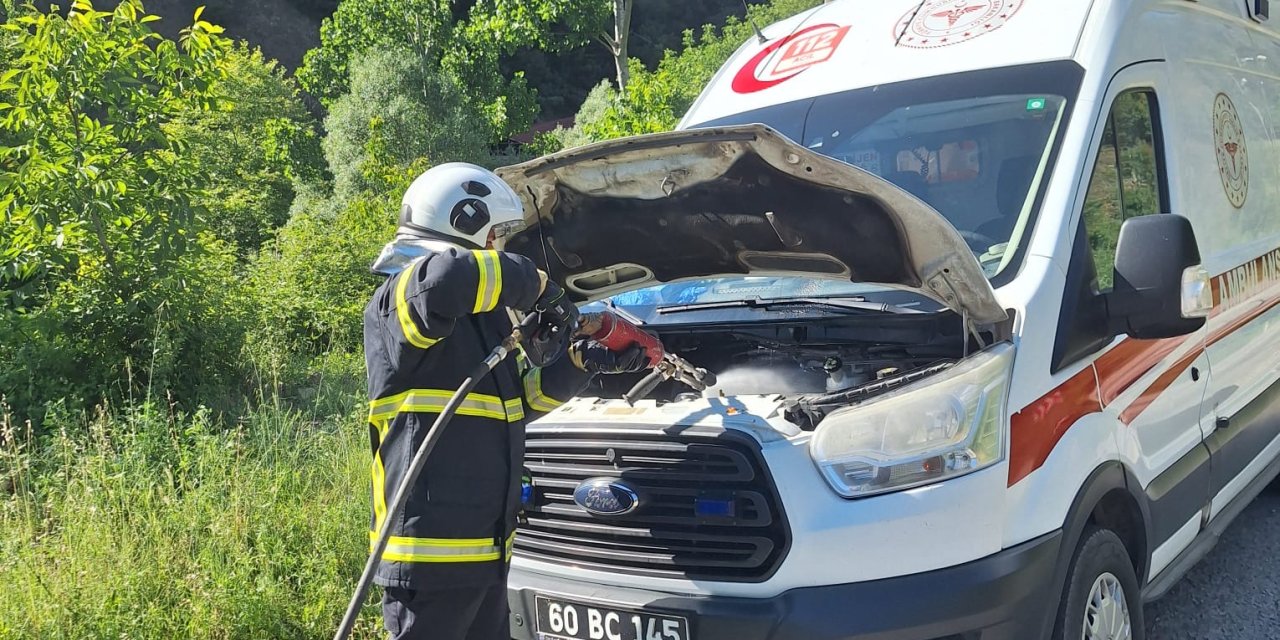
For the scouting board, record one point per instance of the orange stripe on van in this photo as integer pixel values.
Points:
(1166, 379)
(1036, 429)
(1128, 361)
(1158, 387)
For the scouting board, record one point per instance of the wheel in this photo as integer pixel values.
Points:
(1102, 599)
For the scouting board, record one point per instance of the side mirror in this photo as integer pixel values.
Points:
(1160, 290)
(1261, 10)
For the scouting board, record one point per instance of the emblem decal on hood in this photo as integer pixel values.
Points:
(795, 53)
(939, 23)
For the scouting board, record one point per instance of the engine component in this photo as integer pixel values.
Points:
(793, 358)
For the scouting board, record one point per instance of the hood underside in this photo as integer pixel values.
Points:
(633, 212)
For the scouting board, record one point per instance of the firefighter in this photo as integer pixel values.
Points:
(442, 308)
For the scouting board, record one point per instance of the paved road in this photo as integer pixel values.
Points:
(1234, 593)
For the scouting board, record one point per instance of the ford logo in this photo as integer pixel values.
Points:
(606, 497)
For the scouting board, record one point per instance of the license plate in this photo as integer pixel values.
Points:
(561, 620)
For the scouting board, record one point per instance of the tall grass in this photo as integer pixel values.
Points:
(146, 523)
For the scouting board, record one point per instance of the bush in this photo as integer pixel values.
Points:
(401, 110)
(81, 347)
(149, 523)
(312, 285)
(110, 287)
(257, 139)
(599, 100)
(649, 106)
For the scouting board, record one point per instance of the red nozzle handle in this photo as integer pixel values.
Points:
(617, 334)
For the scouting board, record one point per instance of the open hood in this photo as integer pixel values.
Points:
(632, 212)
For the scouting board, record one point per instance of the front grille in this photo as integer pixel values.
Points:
(675, 478)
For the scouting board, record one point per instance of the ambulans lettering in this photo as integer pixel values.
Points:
(939, 23)
(1246, 281)
(795, 53)
(1233, 153)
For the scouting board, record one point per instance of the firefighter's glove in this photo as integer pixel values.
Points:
(555, 310)
(556, 320)
(593, 357)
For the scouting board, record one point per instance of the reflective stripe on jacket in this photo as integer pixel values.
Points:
(424, 330)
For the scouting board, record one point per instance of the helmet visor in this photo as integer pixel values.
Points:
(504, 229)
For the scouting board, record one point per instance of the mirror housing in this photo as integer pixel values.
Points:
(1160, 290)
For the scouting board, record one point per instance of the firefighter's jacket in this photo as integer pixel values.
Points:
(424, 330)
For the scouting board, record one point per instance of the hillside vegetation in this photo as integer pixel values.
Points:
(286, 29)
(185, 251)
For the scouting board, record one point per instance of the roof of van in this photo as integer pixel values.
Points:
(850, 44)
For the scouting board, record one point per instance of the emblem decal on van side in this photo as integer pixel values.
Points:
(1233, 154)
(799, 51)
(940, 23)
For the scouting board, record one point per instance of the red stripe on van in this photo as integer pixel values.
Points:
(1162, 383)
(1128, 361)
(1036, 429)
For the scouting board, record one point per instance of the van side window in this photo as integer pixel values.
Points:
(1126, 177)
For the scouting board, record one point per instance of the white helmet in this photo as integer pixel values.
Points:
(456, 203)
(460, 201)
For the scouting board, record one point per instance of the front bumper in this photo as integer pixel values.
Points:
(1002, 597)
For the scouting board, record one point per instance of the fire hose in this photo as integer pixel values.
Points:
(606, 328)
(394, 507)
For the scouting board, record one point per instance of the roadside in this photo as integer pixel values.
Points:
(1234, 593)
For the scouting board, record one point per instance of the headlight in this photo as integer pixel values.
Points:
(938, 428)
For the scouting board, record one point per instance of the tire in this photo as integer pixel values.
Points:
(1100, 569)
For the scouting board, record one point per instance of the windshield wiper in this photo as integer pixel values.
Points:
(844, 305)
(626, 315)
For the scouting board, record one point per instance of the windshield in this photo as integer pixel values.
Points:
(977, 147)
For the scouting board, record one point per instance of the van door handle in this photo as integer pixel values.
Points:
(1222, 423)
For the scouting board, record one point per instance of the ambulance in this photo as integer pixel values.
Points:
(989, 288)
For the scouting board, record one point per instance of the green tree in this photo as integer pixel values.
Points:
(469, 40)
(100, 236)
(565, 76)
(558, 25)
(359, 25)
(598, 103)
(91, 183)
(254, 143)
(648, 106)
(655, 100)
(441, 34)
(401, 109)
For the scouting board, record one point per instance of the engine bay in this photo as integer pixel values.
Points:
(815, 363)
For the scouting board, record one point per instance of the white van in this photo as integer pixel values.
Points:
(990, 288)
